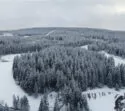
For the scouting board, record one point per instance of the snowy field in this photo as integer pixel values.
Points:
(102, 99)
(8, 86)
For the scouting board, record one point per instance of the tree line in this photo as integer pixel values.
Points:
(117, 49)
(19, 104)
(53, 68)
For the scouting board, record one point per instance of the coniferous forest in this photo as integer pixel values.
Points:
(56, 67)
(56, 63)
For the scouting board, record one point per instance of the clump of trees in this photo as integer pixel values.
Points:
(69, 99)
(21, 104)
(44, 105)
(53, 68)
(112, 48)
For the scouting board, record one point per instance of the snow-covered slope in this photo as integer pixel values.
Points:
(8, 86)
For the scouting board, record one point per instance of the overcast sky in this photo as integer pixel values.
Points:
(109, 14)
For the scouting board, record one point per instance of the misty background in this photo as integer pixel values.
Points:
(15, 14)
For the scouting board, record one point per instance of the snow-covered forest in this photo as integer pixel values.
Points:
(61, 69)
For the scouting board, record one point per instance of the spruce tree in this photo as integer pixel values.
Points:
(44, 106)
(24, 104)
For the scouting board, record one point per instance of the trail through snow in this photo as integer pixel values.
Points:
(50, 32)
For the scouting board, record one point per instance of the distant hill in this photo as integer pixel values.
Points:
(85, 31)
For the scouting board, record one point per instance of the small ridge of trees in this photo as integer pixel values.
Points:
(117, 49)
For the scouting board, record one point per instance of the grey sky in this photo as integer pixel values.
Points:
(109, 14)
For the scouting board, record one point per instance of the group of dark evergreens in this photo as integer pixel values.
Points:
(117, 49)
(54, 68)
(58, 64)
(66, 69)
(19, 104)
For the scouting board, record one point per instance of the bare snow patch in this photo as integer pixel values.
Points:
(104, 100)
(49, 33)
(118, 60)
(85, 47)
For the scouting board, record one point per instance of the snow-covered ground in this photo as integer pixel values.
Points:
(118, 60)
(26, 36)
(8, 86)
(105, 102)
(85, 47)
(49, 33)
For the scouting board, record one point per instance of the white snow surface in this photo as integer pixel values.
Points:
(49, 33)
(8, 86)
(118, 60)
(103, 103)
(85, 47)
